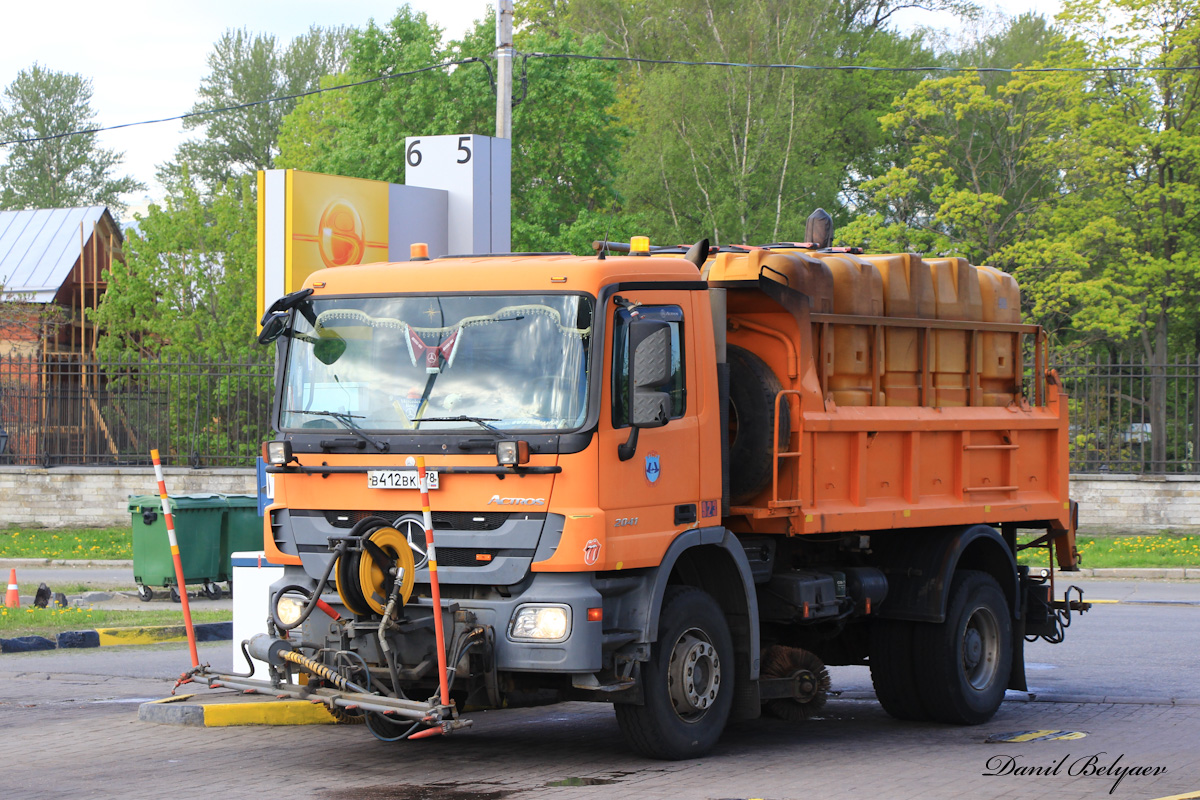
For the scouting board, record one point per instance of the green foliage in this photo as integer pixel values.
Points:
(566, 144)
(246, 68)
(744, 155)
(186, 288)
(979, 154)
(186, 295)
(64, 172)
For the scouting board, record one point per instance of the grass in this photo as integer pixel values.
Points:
(71, 589)
(1107, 552)
(16, 622)
(103, 544)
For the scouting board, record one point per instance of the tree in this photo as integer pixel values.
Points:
(565, 141)
(246, 68)
(186, 289)
(58, 172)
(1120, 254)
(977, 153)
(742, 154)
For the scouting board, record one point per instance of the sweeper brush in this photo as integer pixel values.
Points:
(807, 670)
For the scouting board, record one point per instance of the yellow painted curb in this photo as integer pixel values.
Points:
(293, 712)
(146, 635)
(1184, 796)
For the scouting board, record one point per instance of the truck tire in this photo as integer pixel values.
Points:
(752, 391)
(687, 683)
(892, 669)
(964, 662)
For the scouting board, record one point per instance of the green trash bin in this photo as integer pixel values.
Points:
(241, 530)
(198, 520)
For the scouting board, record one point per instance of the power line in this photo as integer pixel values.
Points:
(855, 67)
(191, 114)
(626, 59)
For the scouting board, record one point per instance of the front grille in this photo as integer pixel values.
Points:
(442, 520)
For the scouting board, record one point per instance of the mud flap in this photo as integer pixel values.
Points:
(1016, 678)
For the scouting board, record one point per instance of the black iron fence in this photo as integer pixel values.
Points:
(1133, 414)
(62, 410)
(1128, 415)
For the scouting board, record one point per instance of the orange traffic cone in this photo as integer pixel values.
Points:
(11, 598)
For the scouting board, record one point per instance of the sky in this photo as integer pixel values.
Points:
(146, 58)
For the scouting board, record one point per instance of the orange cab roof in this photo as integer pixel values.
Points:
(522, 273)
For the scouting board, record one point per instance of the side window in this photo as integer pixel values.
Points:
(673, 316)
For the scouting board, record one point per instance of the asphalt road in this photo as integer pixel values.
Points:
(1125, 677)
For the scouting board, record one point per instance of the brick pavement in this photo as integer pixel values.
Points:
(75, 736)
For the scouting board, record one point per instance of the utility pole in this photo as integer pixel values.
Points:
(504, 68)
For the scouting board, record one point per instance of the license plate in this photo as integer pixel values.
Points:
(399, 479)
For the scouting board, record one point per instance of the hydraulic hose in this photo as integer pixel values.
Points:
(313, 600)
(321, 671)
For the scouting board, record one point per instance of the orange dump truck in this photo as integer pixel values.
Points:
(680, 483)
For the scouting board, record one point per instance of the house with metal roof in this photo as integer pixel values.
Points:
(53, 257)
(52, 267)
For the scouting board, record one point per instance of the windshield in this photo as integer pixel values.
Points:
(437, 363)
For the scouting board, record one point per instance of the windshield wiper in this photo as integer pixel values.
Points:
(348, 421)
(480, 421)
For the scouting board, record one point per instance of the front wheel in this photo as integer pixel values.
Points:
(687, 683)
(964, 662)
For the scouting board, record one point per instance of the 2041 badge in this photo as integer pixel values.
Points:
(591, 552)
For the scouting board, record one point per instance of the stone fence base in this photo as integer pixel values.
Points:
(84, 497)
(79, 497)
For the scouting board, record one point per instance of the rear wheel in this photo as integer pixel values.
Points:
(687, 683)
(965, 661)
(893, 672)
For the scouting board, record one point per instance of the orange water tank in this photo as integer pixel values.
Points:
(907, 292)
(956, 291)
(857, 290)
(1001, 299)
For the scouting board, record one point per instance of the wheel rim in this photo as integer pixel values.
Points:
(981, 649)
(693, 675)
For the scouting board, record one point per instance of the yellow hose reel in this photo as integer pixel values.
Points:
(361, 581)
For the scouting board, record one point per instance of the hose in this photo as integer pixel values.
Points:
(321, 671)
(313, 598)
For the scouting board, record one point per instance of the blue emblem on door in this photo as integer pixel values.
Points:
(652, 467)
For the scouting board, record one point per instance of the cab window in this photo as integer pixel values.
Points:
(673, 316)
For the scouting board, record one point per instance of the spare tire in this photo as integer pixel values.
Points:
(752, 390)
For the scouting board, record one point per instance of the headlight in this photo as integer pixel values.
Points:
(278, 453)
(541, 623)
(289, 608)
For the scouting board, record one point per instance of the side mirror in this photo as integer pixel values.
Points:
(273, 327)
(285, 303)
(329, 347)
(649, 371)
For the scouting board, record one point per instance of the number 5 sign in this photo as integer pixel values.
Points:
(474, 171)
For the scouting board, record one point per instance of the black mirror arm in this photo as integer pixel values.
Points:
(626, 450)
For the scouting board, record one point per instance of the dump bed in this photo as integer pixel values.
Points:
(911, 394)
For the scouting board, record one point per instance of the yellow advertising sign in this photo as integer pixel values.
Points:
(332, 221)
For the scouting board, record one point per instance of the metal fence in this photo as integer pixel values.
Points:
(1128, 415)
(62, 410)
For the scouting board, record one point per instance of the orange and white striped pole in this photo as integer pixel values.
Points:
(183, 596)
(438, 633)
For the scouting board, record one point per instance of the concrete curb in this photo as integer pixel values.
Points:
(108, 637)
(253, 711)
(1144, 573)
